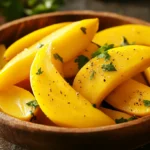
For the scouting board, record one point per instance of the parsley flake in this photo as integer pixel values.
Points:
(108, 67)
(83, 29)
(146, 103)
(39, 45)
(81, 60)
(33, 104)
(92, 74)
(58, 57)
(122, 120)
(39, 71)
(102, 49)
(125, 42)
(104, 55)
(94, 105)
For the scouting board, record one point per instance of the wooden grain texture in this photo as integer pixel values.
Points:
(95, 5)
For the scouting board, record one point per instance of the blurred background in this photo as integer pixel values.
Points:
(14, 9)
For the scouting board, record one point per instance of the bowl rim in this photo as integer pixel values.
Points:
(27, 126)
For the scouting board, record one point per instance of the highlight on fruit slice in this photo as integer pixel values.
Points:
(18, 103)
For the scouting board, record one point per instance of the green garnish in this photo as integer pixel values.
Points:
(104, 55)
(83, 29)
(39, 45)
(102, 49)
(122, 120)
(125, 42)
(58, 57)
(146, 103)
(39, 72)
(108, 67)
(92, 74)
(81, 60)
(33, 104)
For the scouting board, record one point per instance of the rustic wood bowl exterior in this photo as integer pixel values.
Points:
(122, 136)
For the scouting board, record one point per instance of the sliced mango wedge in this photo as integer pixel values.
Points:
(131, 97)
(2, 60)
(57, 99)
(30, 39)
(99, 76)
(18, 68)
(135, 34)
(114, 114)
(13, 102)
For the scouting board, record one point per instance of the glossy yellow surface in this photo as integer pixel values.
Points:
(129, 96)
(13, 102)
(136, 34)
(103, 82)
(57, 99)
(114, 114)
(18, 68)
(70, 68)
(30, 39)
(2, 60)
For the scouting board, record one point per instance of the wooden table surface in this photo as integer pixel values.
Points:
(135, 8)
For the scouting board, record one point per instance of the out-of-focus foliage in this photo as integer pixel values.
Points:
(14, 9)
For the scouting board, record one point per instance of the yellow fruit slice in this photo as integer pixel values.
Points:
(57, 99)
(131, 97)
(18, 68)
(2, 60)
(30, 39)
(13, 102)
(99, 77)
(114, 114)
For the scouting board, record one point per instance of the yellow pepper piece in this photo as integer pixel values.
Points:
(114, 114)
(95, 81)
(2, 60)
(57, 99)
(129, 97)
(71, 68)
(30, 39)
(133, 33)
(137, 34)
(140, 78)
(13, 102)
(18, 68)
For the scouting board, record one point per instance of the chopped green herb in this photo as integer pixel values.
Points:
(122, 120)
(40, 45)
(57, 56)
(39, 71)
(102, 49)
(92, 74)
(83, 29)
(104, 55)
(33, 104)
(108, 67)
(81, 60)
(146, 103)
(94, 105)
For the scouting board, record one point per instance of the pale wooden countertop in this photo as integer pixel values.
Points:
(136, 8)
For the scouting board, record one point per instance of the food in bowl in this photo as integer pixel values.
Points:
(103, 67)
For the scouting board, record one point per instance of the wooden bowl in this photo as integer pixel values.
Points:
(122, 136)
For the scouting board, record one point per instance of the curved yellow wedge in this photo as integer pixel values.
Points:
(17, 102)
(131, 97)
(18, 68)
(57, 99)
(116, 115)
(30, 39)
(2, 60)
(102, 76)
